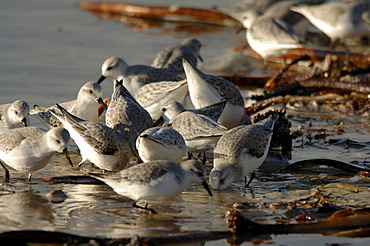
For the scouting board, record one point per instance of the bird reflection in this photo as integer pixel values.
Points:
(26, 210)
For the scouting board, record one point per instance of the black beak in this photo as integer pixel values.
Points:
(101, 79)
(24, 121)
(205, 185)
(200, 58)
(65, 151)
(159, 122)
(101, 102)
(240, 29)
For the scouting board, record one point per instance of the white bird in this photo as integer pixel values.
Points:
(200, 132)
(161, 143)
(205, 90)
(134, 76)
(29, 149)
(269, 36)
(14, 115)
(98, 143)
(152, 96)
(338, 20)
(156, 180)
(126, 115)
(171, 58)
(240, 151)
(85, 106)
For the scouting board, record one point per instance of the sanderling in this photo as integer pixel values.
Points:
(161, 143)
(156, 180)
(213, 111)
(338, 20)
(171, 58)
(14, 115)
(152, 96)
(126, 115)
(98, 143)
(134, 76)
(29, 149)
(200, 132)
(269, 36)
(206, 89)
(240, 151)
(85, 106)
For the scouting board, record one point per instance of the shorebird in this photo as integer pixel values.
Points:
(125, 114)
(170, 58)
(156, 180)
(98, 143)
(269, 36)
(240, 151)
(205, 90)
(14, 115)
(134, 76)
(161, 143)
(85, 106)
(200, 132)
(29, 149)
(338, 20)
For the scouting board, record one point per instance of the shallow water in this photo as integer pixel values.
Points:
(51, 48)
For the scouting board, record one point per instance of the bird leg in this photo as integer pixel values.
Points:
(204, 160)
(253, 174)
(190, 155)
(334, 44)
(145, 208)
(6, 172)
(80, 164)
(344, 46)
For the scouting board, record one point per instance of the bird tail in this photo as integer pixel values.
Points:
(72, 119)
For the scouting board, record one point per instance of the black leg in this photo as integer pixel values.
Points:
(190, 155)
(6, 173)
(344, 46)
(204, 160)
(80, 164)
(253, 174)
(145, 208)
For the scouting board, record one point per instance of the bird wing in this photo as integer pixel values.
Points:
(162, 57)
(191, 125)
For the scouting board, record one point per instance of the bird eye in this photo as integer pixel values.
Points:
(58, 141)
(163, 109)
(109, 68)
(222, 181)
(91, 92)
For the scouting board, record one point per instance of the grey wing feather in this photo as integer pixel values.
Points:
(162, 57)
(100, 137)
(212, 111)
(191, 125)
